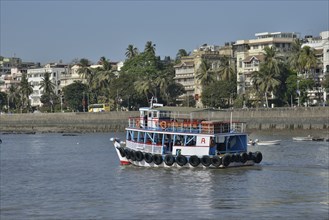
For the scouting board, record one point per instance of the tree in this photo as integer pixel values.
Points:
(131, 51)
(205, 73)
(14, 97)
(146, 85)
(48, 93)
(294, 57)
(267, 78)
(226, 68)
(308, 60)
(103, 77)
(325, 85)
(181, 53)
(47, 85)
(85, 71)
(218, 94)
(123, 88)
(3, 101)
(26, 89)
(75, 95)
(150, 48)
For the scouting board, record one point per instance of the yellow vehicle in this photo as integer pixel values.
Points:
(104, 107)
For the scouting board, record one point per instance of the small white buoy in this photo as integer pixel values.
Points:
(77, 142)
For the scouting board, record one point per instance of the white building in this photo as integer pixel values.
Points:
(249, 54)
(70, 76)
(36, 76)
(321, 46)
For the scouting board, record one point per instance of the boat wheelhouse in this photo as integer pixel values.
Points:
(180, 137)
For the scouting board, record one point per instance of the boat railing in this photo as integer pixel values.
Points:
(150, 148)
(190, 126)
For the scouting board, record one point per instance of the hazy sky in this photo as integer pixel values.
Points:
(49, 31)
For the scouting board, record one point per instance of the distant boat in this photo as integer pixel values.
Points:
(263, 143)
(317, 139)
(307, 138)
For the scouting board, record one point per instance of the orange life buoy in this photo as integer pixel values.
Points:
(163, 124)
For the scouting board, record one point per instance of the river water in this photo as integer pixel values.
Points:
(51, 176)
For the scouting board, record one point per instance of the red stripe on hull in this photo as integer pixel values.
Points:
(124, 162)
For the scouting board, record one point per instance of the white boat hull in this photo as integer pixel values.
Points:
(302, 138)
(175, 165)
(265, 143)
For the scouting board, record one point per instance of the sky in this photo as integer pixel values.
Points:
(50, 31)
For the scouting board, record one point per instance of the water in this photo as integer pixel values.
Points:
(50, 176)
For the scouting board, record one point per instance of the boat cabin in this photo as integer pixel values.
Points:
(170, 130)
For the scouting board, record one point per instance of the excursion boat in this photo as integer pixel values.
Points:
(175, 137)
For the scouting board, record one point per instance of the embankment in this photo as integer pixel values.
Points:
(256, 119)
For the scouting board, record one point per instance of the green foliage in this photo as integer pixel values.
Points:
(205, 74)
(325, 83)
(3, 101)
(49, 101)
(73, 95)
(189, 101)
(219, 94)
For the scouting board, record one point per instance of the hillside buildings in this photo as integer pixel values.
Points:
(244, 55)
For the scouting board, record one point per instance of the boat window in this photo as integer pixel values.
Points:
(237, 143)
(220, 143)
(141, 137)
(179, 140)
(190, 140)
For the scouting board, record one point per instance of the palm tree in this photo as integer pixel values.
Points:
(272, 59)
(47, 85)
(150, 47)
(205, 73)
(294, 58)
(13, 96)
(26, 89)
(103, 76)
(48, 89)
(131, 51)
(226, 68)
(181, 53)
(308, 59)
(146, 85)
(85, 70)
(268, 77)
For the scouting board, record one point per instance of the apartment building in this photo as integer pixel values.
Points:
(70, 75)
(184, 74)
(320, 44)
(14, 75)
(249, 54)
(36, 75)
(186, 71)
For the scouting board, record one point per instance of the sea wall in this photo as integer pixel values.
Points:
(256, 119)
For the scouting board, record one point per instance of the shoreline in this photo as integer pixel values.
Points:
(304, 120)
